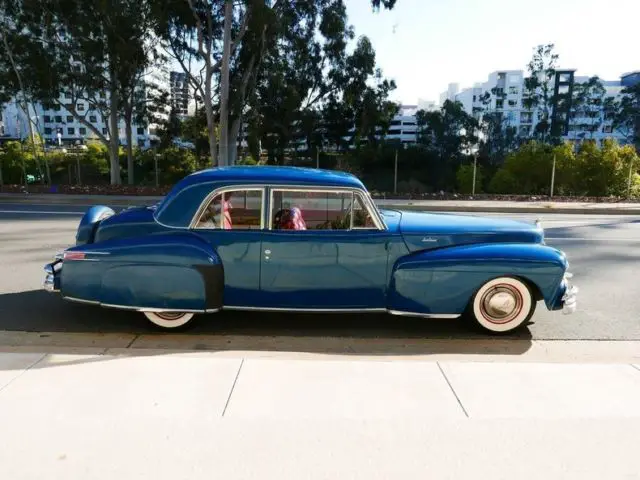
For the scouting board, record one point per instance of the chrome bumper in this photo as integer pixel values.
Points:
(52, 275)
(569, 299)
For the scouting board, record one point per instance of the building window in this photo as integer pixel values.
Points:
(71, 130)
(80, 107)
(82, 130)
(58, 119)
(67, 95)
(565, 77)
(233, 210)
(513, 103)
(499, 103)
(607, 129)
(513, 90)
(57, 108)
(93, 119)
(526, 117)
(140, 130)
(47, 119)
(104, 131)
(47, 131)
(70, 118)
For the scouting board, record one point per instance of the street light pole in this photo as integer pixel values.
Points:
(317, 157)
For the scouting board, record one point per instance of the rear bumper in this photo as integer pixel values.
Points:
(52, 275)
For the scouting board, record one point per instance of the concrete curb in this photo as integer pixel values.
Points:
(494, 206)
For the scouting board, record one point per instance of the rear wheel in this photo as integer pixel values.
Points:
(502, 305)
(169, 320)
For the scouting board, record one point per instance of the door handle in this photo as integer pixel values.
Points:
(267, 254)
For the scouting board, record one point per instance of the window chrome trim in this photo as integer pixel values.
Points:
(366, 200)
(230, 188)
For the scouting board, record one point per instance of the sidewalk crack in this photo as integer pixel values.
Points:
(233, 387)
(452, 390)
(23, 372)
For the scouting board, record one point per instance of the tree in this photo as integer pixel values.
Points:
(257, 37)
(539, 88)
(88, 51)
(626, 114)
(587, 106)
(15, 38)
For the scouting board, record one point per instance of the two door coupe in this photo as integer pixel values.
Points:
(296, 239)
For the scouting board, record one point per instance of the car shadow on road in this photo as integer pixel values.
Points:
(337, 334)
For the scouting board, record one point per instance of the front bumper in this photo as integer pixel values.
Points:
(569, 298)
(52, 275)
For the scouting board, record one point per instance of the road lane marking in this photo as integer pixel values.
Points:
(599, 239)
(41, 212)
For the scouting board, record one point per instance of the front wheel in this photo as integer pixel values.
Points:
(169, 320)
(502, 305)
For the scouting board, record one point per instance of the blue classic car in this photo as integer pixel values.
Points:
(297, 239)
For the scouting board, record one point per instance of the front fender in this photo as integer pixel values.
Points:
(175, 270)
(443, 281)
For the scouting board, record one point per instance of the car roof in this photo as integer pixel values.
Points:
(181, 203)
(269, 174)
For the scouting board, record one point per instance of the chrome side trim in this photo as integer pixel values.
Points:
(80, 300)
(305, 310)
(272, 309)
(450, 316)
(146, 309)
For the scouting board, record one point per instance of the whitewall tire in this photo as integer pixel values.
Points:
(169, 320)
(502, 305)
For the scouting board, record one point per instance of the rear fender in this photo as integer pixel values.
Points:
(176, 270)
(89, 223)
(443, 281)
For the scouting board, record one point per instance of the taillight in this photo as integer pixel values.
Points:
(73, 256)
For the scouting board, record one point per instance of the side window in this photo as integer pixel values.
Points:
(233, 210)
(361, 215)
(308, 210)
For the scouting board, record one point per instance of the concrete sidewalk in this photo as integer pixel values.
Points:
(422, 205)
(196, 416)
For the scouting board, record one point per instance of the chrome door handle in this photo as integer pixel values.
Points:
(267, 252)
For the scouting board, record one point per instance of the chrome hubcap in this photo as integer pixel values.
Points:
(501, 304)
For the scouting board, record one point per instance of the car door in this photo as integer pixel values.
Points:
(322, 252)
(232, 222)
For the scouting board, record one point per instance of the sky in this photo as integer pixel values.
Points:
(426, 44)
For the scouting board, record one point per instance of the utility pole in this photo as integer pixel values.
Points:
(630, 176)
(475, 168)
(395, 174)
(553, 175)
(318, 157)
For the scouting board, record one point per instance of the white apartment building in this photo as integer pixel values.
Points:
(506, 90)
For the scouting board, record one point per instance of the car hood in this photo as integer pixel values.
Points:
(422, 230)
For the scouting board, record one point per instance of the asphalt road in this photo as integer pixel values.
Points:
(603, 251)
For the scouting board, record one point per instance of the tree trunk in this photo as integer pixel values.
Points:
(211, 128)
(129, 133)
(234, 132)
(224, 84)
(113, 127)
